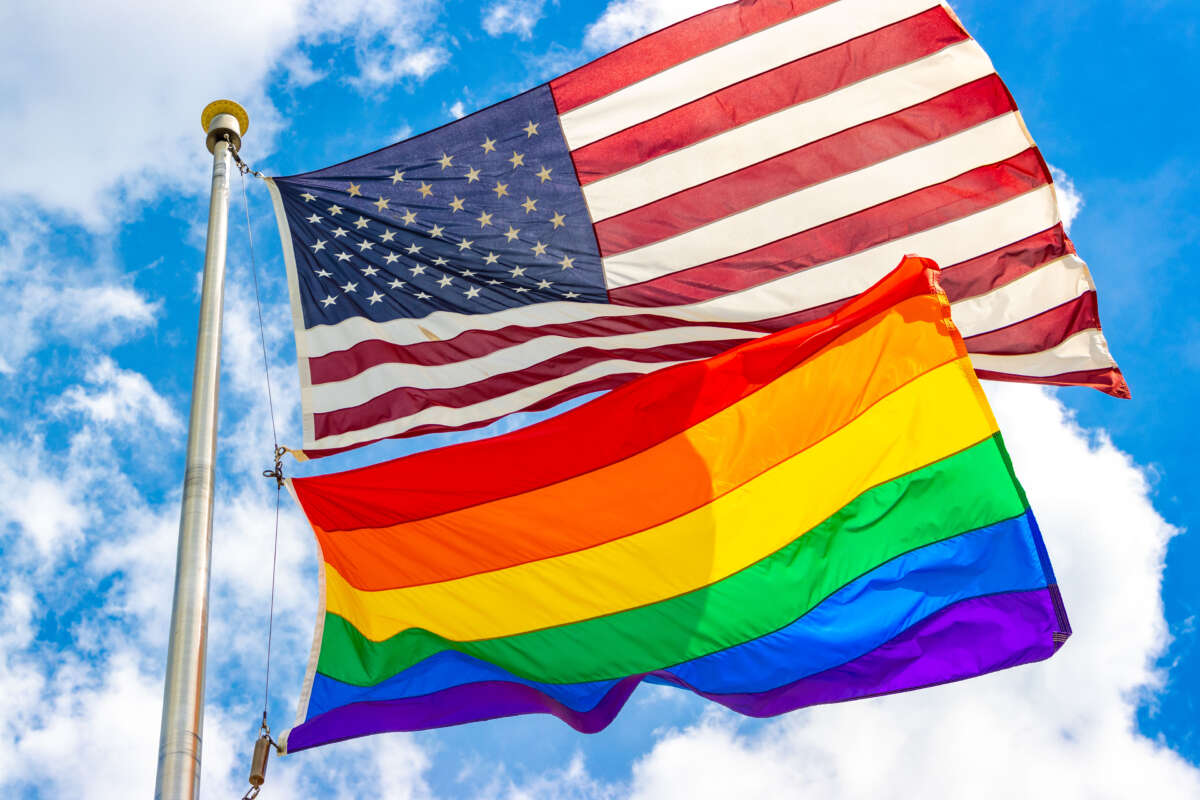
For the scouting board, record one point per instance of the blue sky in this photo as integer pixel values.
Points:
(102, 213)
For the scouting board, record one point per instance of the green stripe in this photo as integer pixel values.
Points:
(968, 490)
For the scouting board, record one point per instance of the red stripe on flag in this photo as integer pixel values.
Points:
(406, 400)
(783, 87)
(1110, 380)
(959, 197)
(671, 46)
(839, 154)
(1039, 332)
(1004, 264)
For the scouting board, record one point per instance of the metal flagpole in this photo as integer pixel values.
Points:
(183, 690)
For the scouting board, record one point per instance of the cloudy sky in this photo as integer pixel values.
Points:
(103, 202)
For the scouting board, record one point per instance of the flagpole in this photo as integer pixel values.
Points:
(182, 729)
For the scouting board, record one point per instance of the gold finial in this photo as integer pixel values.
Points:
(224, 107)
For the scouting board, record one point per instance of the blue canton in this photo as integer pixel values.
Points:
(480, 215)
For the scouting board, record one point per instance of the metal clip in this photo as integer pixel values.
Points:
(277, 473)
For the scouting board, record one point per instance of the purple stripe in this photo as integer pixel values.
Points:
(970, 638)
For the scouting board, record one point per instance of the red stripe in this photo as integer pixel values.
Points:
(663, 405)
(670, 46)
(814, 163)
(403, 401)
(1110, 380)
(1039, 332)
(1004, 264)
(785, 86)
(959, 197)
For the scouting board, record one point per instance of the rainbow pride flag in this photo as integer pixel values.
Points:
(823, 514)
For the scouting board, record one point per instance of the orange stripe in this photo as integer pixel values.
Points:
(814, 399)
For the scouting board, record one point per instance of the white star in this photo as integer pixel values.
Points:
(517, 160)
(320, 245)
(413, 249)
(558, 220)
(397, 177)
(308, 197)
(360, 223)
(314, 219)
(409, 217)
(328, 301)
(425, 189)
(391, 258)
(472, 293)
(472, 174)
(518, 271)
(571, 295)
(381, 203)
(484, 219)
(436, 231)
(445, 281)
(375, 298)
(396, 283)
(418, 269)
(456, 203)
(531, 129)
(440, 262)
(364, 245)
(529, 205)
(491, 258)
(544, 173)
(343, 256)
(387, 236)
(354, 190)
(512, 233)
(489, 144)
(446, 160)
(370, 271)
(422, 296)
(494, 283)
(339, 231)
(567, 262)
(465, 244)
(543, 284)
(350, 286)
(467, 273)
(323, 274)
(335, 209)
(520, 290)
(539, 249)
(500, 190)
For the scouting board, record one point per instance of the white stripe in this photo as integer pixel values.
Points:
(950, 243)
(744, 58)
(995, 140)
(386, 377)
(500, 406)
(1085, 350)
(787, 129)
(1047, 287)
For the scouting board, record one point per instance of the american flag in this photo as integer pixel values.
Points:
(729, 176)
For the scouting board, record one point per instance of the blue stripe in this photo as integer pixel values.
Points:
(856, 619)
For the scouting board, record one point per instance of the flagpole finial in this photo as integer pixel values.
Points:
(222, 117)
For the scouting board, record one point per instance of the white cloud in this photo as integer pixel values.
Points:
(458, 110)
(105, 99)
(1070, 200)
(119, 399)
(513, 16)
(1064, 728)
(625, 20)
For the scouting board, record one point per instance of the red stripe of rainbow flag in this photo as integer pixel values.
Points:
(822, 514)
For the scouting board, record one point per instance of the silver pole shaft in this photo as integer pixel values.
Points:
(183, 691)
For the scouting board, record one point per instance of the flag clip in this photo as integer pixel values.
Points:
(277, 473)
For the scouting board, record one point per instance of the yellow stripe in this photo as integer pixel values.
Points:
(936, 415)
